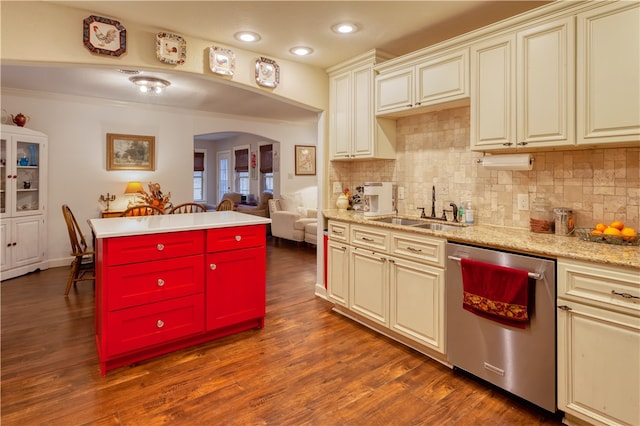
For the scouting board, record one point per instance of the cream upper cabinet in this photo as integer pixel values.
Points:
(598, 343)
(354, 131)
(608, 70)
(522, 90)
(429, 81)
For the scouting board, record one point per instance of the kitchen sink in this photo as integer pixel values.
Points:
(399, 221)
(436, 226)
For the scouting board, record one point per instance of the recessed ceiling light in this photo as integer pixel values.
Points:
(150, 84)
(247, 36)
(345, 28)
(301, 50)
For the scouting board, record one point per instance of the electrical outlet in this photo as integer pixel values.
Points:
(523, 201)
(401, 193)
(337, 187)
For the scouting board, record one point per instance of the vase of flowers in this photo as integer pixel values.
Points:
(155, 197)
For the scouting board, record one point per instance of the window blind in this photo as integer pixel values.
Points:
(242, 160)
(198, 161)
(266, 159)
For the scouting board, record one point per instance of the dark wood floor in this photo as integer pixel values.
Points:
(307, 366)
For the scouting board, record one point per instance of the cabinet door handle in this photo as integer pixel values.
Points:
(238, 237)
(160, 282)
(414, 249)
(625, 295)
(565, 308)
(160, 247)
(367, 239)
(160, 324)
(523, 143)
(212, 266)
(507, 144)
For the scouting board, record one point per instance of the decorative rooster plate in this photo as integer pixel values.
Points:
(104, 36)
(171, 48)
(267, 72)
(222, 61)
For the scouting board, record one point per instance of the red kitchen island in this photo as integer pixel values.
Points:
(166, 282)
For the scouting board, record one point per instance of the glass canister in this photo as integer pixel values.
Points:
(541, 217)
(564, 221)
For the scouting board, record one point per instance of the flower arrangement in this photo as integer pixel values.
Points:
(155, 197)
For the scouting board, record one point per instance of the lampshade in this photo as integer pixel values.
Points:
(133, 188)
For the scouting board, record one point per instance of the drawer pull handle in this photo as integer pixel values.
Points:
(565, 308)
(414, 249)
(160, 323)
(367, 239)
(160, 247)
(238, 237)
(338, 232)
(625, 295)
(160, 282)
(212, 266)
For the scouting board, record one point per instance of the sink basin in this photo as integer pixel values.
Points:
(436, 226)
(399, 221)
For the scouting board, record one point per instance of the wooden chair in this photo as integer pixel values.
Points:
(83, 265)
(188, 208)
(225, 204)
(142, 210)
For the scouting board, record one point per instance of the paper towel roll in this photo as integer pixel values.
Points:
(508, 162)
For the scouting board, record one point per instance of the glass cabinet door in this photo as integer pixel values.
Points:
(27, 176)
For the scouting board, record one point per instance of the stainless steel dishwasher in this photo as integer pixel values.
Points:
(521, 361)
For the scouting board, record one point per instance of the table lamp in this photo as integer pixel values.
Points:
(133, 188)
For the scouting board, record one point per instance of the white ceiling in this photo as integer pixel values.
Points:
(397, 27)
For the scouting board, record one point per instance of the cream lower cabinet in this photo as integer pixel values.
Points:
(607, 73)
(598, 343)
(396, 283)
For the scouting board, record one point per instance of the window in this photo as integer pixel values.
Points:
(199, 177)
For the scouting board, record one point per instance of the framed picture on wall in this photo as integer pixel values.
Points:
(130, 152)
(305, 160)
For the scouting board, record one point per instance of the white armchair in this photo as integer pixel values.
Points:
(289, 217)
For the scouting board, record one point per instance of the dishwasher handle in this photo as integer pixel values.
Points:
(536, 276)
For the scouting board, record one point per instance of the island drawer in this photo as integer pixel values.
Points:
(154, 281)
(606, 286)
(234, 238)
(153, 324)
(143, 248)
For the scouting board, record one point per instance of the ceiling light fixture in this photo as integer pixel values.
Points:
(247, 36)
(301, 50)
(150, 84)
(345, 28)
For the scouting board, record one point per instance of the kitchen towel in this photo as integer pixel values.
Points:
(496, 292)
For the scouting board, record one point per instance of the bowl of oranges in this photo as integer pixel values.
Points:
(614, 233)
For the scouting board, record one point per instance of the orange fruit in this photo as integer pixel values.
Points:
(611, 231)
(628, 234)
(617, 224)
(596, 232)
(601, 227)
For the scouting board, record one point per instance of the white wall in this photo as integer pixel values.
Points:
(77, 129)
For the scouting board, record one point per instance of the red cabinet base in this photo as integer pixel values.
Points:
(163, 292)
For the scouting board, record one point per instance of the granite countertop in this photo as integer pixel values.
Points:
(514, 239)
(143, 225)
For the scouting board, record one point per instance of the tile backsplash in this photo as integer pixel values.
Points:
(600, 185)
